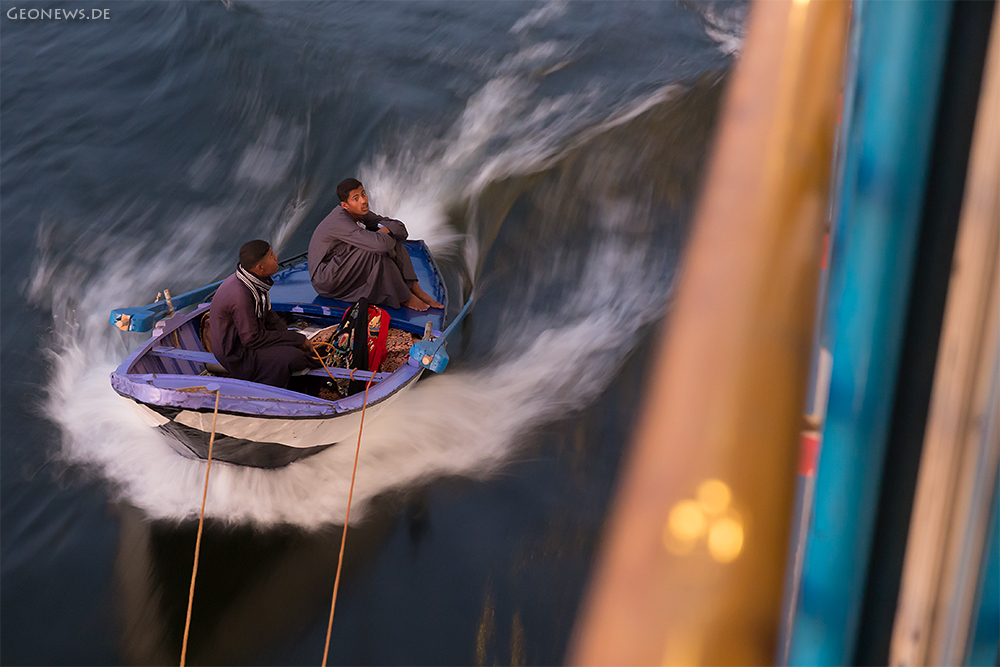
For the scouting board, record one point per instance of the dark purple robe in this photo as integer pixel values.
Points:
(349, 260)
(252, 348)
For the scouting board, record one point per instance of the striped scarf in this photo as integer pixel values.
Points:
(258, 289)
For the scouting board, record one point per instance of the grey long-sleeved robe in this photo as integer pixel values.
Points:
(249, 347)
(349, 260)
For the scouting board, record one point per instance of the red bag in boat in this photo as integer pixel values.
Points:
(346, 353)
(378, 332)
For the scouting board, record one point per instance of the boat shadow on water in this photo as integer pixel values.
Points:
(255, 588)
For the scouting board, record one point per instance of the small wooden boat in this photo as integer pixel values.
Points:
(171, 379)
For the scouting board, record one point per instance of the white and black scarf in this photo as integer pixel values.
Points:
(259, 288)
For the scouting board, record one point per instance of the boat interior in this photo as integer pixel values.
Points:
(187, 351)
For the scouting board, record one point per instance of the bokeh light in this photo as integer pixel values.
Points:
(714, 496)
(687, 521)
(725, 539)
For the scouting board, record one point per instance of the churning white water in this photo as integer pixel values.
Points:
(464, 422)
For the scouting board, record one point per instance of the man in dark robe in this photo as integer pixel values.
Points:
(250, 341)
(355, 253)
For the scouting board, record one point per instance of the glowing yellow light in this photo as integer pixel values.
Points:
(714, 496)
(675, 546)
(686, 521)
(801, 2)
(725, 539)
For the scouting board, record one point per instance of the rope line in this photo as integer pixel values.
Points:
(201, 524)
(321, 360)
(204, 498)
(343, 538)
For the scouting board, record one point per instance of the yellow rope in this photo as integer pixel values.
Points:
(322, 361)
(343, 538)
(347, 518)
(201, 523)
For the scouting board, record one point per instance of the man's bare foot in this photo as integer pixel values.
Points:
(418, 292)
(415, 303)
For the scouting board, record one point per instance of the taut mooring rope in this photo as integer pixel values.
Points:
(201, 523)
(343, 538)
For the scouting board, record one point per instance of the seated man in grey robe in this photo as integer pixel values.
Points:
(250, 341)
(355, 253)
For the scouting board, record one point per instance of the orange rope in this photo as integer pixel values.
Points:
(318, 356)
(343, 539)
(201, 523)
(349, 377)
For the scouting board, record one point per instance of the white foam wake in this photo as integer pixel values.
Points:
(463, 422)
(724, 23)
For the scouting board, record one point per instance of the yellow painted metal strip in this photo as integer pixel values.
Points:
(692, 565)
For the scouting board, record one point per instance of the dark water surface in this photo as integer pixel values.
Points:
(550, 154)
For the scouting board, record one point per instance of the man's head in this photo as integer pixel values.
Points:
(258, 258)
(353, 197)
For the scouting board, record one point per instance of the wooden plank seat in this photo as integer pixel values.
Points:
(209, 359)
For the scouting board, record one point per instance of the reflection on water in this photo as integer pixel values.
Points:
(254, 588)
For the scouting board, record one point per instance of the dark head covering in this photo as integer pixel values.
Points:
(252, 252)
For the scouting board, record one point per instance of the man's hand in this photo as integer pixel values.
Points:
(307, 346)
(386, 230)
